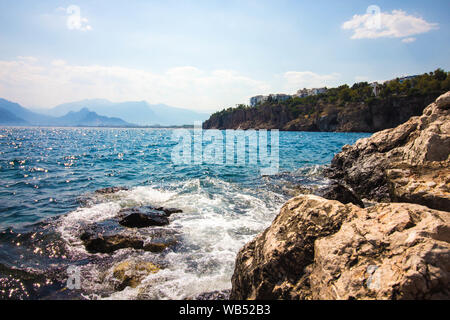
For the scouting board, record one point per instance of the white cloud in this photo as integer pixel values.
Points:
(27, 59)
(307, 79)
(33, 83)
(409, 40)
(397, 24)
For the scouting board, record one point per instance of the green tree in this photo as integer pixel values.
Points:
(440, 75)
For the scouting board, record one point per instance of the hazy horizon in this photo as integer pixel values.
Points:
(48, 108)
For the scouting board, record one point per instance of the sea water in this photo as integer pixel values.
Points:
(48, 179)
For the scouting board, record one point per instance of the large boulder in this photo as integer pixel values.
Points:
(275, 264)
(390, 251)
(323, 249)
(401, 164)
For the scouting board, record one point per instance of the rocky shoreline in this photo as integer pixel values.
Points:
(323, 116)
(398, 247)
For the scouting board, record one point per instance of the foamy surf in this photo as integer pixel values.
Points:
(218, 219)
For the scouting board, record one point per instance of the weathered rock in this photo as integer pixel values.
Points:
(130, 273)
(403, 163)
(427, 184)
(111, 190)
(322, 249)
(275, 264)
(390, 251)
(336, 191)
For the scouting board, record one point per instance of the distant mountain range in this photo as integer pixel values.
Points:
(137, 112)
(98, 113)
(14, 114)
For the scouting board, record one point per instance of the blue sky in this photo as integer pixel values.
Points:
(206, 55)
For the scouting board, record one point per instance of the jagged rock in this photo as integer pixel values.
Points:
(130, 273)
(322, 249)
(110, 190)
(408, 163)
(336, 191)
(275, 264)
(390, 251)
(427, 184)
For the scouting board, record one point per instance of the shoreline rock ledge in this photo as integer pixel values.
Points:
(409, 163)
(396, 249)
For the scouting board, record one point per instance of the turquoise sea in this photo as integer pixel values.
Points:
(47, 197)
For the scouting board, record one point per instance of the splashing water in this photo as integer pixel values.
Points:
(47, 201)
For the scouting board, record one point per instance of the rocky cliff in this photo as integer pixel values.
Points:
(324, 249)
(409, 163)
(373, 116)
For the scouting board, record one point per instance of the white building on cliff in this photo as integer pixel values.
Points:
(309, 92)
(256, 100)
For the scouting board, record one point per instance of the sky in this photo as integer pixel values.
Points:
(206, 55)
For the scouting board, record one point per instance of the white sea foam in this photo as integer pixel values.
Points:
(218, 219)
(70, 225)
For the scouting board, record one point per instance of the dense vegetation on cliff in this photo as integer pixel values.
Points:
(340, 109)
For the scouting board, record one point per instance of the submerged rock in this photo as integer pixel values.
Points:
(323, 249)
(110, 190)
(158, 247)
(146, 216)
(109, 243)
(130, 273)
(143, 220)
(109, 235)
(409, 163)
(98, 243)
